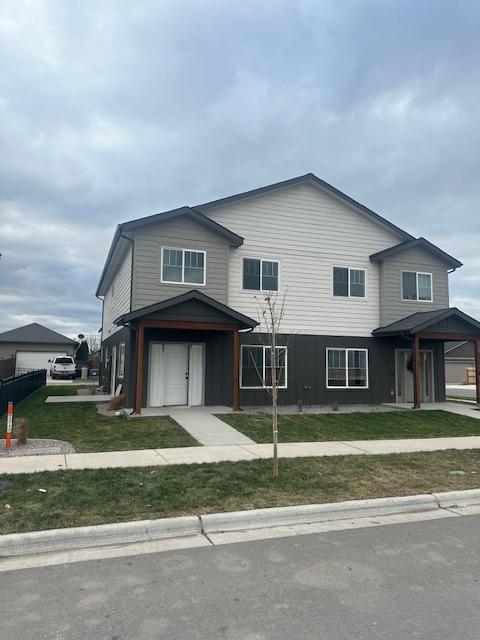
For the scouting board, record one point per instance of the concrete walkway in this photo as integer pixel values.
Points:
(199, 422)
(93, 398)
(232, 453)
(451, 407)
(207, 428)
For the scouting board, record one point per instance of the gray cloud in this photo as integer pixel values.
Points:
(113, 110)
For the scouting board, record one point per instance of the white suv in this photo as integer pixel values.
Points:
(62, 367)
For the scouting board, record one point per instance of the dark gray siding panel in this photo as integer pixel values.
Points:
(307, 371)
(191, 311)
(123, 335)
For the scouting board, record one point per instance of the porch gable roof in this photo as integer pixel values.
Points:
(229, 314)
(429, 321)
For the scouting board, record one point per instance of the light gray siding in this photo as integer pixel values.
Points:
(180, 233)
(309, 232)
(117, 298)
(392, 307)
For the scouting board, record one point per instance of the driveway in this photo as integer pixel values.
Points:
(416, 580)
(467, 391)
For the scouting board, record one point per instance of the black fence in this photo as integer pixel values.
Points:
(17, 388)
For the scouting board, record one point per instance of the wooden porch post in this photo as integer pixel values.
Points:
(235, 370)
(139, 381)
(417, 378)
(477, 368)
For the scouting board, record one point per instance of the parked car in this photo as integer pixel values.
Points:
(62, 367)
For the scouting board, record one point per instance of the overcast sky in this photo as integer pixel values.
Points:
(110, 110)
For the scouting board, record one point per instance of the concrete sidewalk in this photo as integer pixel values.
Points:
(232, 453)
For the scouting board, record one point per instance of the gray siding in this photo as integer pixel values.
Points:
(392, 307)
(117, 298)
(306, 367)
(181, 233)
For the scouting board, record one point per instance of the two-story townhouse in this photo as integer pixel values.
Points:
(366, 304)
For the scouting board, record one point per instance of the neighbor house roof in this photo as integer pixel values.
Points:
(34, 333)
(230, 313)
(198, 213)
(418, 242)
(422, 320)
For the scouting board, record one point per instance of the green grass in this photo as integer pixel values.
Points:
(76, 498)
(86, 430)
(354, 426)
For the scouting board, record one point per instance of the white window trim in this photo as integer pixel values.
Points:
(260, 385)
(121, 369)
(346, 367)
(349, 297)
(417, 273)
(262, 260)
(183, 283)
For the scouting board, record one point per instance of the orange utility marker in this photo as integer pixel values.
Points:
(8, 439)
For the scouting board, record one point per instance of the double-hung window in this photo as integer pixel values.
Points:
(347, 368)
(183, 266)
(348, 283)
(257, 367)
(260, 275)
(121, 360)
(416, 286)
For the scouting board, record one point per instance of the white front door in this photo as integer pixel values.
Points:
(176, 374)
(404, 375)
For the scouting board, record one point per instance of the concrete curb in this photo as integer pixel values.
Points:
(99, 535)
(310, 513)
(121, 533)
(450, 499)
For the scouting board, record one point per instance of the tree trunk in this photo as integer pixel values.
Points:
(274, 405)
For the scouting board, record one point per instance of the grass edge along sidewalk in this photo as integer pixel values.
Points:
(380, 425)
(89, 497)
(87, 431)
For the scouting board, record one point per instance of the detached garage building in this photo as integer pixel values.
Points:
(32, 346)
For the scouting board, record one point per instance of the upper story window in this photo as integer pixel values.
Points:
(260, 275)
(417, 286)
(347, 368)
(183, 266)
(348, 283)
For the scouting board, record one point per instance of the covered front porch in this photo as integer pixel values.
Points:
(185, 352)
(421, 330)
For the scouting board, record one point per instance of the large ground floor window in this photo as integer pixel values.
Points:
(256, 367)
(347, 368)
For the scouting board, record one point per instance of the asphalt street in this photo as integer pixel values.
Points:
(416, 580)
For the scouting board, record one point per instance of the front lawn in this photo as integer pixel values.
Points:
(75, 498)
(81, 425)
(354, 426)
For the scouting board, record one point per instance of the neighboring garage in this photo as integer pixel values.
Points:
(32, 346)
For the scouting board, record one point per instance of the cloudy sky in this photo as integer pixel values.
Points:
(110, 110)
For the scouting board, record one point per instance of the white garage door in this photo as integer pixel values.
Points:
(30, 360)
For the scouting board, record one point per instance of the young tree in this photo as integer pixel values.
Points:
(271, 311)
